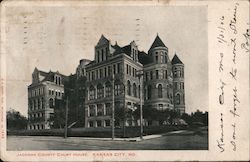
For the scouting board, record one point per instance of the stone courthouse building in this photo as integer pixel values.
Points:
(112, 76)
(116, 66)
(44, 89)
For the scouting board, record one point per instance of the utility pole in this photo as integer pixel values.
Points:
(66, 118)
(113, 107)
(139, 73)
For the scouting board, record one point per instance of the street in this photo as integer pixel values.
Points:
(182, 140)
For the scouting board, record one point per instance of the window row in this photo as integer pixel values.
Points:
(99, 123)
(102, 54)
(36, 104)
(58, 80)
(100, 109)
(36, 92)
(36, 126)
(133, 90)
(178, 72)
(36, 115)
(179, 85)
(157, 74)
(103, 109)
(105, 91)
(159, 93)
(134, 54)
(131, 71)
(55, 92)
(161, 58)
(104, 72)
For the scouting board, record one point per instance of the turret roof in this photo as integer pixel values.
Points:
(176, 60)
(157, 43)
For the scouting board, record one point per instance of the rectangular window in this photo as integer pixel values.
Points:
(99, 110)
(98, 54)
(91, 110)
(114, 69)
(105, 72)
(166, 74)
(93, 75)
(119, 68)
(127, 69)
(156, 59)
(133, 72)
(100, 73)
(108, 109)
(106, 53)
(96, 74)
(99, 123)
(109, 71)
(130, 70)
(151, 75)
(157, 74)
(91, 124)
(107, 123)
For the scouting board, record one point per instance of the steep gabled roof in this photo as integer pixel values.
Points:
(103, 40)
(157, 43)
(176, 60)
(127, 49)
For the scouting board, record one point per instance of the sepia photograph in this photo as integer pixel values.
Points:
(124, 81)
(113, 80)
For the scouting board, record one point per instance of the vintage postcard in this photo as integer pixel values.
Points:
(148, 80)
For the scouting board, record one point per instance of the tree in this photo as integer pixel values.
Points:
(196, 117)
(15, 120)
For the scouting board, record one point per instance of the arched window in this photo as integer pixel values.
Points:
(178, 99)
(108, 89)
(51, 103)
(129, 88)
(92, 92)
(160, 91)
(100, 91)
(149, 92)
(134, 90)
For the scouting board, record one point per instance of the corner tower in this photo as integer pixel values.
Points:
(178, 81)
(158, 77)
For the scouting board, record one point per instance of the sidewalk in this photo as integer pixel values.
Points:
(134, 139)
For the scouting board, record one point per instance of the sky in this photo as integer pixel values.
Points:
(56, 38)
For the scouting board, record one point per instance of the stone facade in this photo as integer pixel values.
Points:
(113, 74)
(45, 88)
(115, 69)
